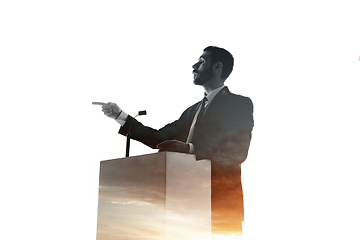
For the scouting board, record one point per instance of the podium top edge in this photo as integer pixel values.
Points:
(160, 154)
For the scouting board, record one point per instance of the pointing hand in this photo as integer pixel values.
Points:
(110, 109)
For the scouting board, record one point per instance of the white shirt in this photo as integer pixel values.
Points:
(121, 119)
(210, 96)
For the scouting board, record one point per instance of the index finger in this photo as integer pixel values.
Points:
(98, 103)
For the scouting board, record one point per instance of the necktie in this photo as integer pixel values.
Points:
(199, 114)
(205, 103)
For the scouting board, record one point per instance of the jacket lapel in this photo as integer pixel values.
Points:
(217, 103)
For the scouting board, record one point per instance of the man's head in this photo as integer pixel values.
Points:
(215, 62)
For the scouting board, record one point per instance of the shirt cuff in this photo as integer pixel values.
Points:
(191, 149)
(121, 119)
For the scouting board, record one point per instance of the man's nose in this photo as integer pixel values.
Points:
(196, 65)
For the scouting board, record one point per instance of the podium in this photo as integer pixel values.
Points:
(164, 195)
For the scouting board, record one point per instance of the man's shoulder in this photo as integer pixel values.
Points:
(243, 99)
(190, 111)
(240, 97)
(235, 97)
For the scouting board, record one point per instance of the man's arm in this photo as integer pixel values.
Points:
(166, 139)
(171, 137)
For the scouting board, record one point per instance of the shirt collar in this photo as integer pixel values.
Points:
(213, 93)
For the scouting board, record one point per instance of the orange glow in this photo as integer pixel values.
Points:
(169, 196)
(226, 201)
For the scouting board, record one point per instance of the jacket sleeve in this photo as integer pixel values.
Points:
(176, 130)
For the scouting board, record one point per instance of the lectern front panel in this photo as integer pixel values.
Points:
(155, 196)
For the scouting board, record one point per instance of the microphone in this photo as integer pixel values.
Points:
(140, 113)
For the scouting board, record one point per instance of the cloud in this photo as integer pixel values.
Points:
(135, 192)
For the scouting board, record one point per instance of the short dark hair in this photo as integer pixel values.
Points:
(224, 56)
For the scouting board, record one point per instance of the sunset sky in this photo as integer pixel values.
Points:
(154, 196)
(297, 60)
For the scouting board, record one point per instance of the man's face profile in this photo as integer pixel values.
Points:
(202, 69)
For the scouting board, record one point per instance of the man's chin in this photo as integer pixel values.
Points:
(199, 81)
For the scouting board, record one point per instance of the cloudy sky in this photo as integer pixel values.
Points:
(137, 198)
(297, 60)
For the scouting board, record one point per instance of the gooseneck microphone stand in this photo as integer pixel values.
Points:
(128, 134)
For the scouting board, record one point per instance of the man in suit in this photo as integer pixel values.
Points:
(217, 128)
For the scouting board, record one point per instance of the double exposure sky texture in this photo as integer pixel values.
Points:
(297, 60)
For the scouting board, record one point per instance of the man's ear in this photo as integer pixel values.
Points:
(217, 66)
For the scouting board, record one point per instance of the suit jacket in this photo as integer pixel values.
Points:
(223, 136)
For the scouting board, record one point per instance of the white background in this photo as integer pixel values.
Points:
(297, 60)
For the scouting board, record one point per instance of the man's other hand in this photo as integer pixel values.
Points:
(111, 110)
(173, 146)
